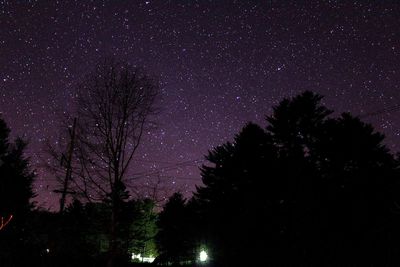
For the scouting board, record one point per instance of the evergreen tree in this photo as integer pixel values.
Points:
(239, 189)
(16, 193)
(15, 177)
(309, 190)
(358, 192)
(172, 239)
(143, 229)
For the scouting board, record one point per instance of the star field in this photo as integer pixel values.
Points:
(220, 63)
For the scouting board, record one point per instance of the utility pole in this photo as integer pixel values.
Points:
(64, 191)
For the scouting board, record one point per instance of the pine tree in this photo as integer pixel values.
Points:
(309, 190)
(172, 239)
(16, 178)
(16, 193)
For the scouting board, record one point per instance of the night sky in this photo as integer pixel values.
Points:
(220, 63)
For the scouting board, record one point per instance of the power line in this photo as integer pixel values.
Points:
(171, 177)
(193, 163)
(380, 111)
(156, 171)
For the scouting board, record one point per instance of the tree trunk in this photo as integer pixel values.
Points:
(112, 250)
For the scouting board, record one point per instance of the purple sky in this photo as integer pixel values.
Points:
(221, 63)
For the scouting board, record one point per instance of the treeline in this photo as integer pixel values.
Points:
(114, 105)
(31, 236)
(306, 189)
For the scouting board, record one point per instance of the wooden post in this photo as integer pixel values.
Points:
(68, 173)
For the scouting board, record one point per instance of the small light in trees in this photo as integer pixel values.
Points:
(141, 258)
(203, 256)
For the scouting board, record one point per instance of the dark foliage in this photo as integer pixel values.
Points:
(308, 190)
(15, 176)
(15, 194)
(79, 236)
(173, 238)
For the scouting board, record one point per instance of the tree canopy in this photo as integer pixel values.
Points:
(16, 193)
(309, 188)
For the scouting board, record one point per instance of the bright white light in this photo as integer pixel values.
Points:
(139, 257)
(203, 256)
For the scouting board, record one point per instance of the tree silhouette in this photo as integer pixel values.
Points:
(15, 177)
(239, 189)
(115, 104)
(16, 193)
(309, 190)
(295, 123)
(172, 240)
(295, 126)
(359, 191)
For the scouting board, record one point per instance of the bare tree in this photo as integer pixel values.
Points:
(115, 104)
(154, 187)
